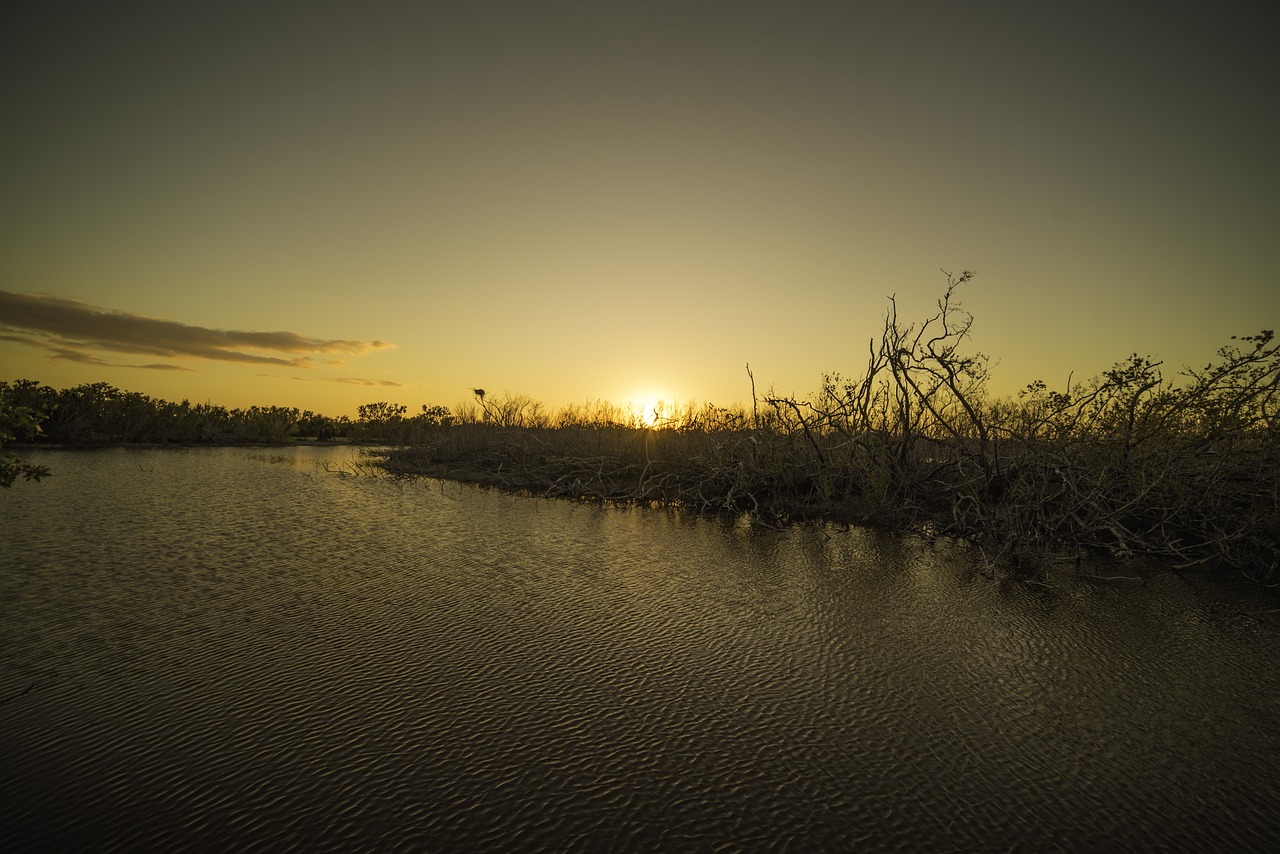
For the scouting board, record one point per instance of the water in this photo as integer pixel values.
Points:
(236, 648)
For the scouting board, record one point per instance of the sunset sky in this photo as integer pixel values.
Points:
(324, 204)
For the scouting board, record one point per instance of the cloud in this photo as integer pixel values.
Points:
(64, 354)
(68, 328)
(363, 381)
(68, 355)
(352, 381)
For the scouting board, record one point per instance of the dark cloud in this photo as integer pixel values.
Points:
(64, 354)
(363, 381)
(68, 328)
(67, 355)
(348, 380)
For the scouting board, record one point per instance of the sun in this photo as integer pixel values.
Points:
(648, 407)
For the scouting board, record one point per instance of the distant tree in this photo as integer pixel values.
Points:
(322, 427)
(511, 410)
(435, 416)
(380, 422)
(381, 411)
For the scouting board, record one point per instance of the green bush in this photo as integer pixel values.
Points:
(18, 422)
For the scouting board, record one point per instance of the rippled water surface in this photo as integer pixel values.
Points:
(235, 648)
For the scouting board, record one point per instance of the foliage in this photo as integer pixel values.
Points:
(18, 422)
(99, 414)
(389, 424)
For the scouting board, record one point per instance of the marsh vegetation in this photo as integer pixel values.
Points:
(1131, 462)
(1126, 463)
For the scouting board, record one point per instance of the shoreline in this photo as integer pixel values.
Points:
(1038, 566)
(95, 446)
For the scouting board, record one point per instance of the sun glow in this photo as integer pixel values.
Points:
(649, 409)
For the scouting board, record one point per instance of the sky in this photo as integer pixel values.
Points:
(321, 204)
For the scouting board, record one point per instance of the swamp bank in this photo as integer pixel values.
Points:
(1129, 464)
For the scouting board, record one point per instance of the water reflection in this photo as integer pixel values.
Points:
(242, 640)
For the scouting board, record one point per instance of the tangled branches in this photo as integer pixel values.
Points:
(1127, 463)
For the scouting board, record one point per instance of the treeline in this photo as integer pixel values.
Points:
(1127, 463)
(100, 414)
